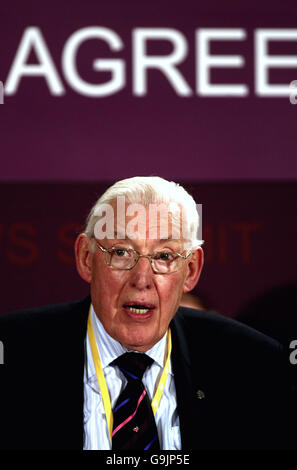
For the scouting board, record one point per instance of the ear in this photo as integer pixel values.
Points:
(194, 269)
(83, 257)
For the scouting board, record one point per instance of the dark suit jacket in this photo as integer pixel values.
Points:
(231, 381)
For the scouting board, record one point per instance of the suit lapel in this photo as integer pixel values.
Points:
(189, 387)
(72, 383)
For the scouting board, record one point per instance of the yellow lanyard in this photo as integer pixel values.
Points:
(102, 381)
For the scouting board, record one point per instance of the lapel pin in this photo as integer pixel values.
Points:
(136, 429)
(200, 394)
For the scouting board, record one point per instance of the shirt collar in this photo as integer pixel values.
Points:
(110, 349)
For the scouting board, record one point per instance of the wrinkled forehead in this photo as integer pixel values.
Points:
(155, 221)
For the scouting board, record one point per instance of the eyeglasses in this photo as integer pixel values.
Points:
(162, 262)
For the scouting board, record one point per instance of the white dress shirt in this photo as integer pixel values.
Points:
(96, 436)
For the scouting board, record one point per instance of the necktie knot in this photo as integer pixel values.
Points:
(133, 365)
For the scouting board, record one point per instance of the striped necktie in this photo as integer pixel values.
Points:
(134, 425)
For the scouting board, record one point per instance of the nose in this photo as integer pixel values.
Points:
(142, 274)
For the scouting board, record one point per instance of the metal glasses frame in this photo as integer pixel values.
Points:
(137, 256)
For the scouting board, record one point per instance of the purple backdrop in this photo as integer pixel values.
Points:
(73, 137)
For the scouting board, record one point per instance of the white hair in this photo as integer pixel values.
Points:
(150, 190)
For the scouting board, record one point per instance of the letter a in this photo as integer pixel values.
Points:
(33, 40)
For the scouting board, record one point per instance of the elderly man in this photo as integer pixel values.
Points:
(127, 368)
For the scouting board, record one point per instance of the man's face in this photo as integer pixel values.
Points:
(114, 292)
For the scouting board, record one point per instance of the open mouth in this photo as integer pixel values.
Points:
(138, 309)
